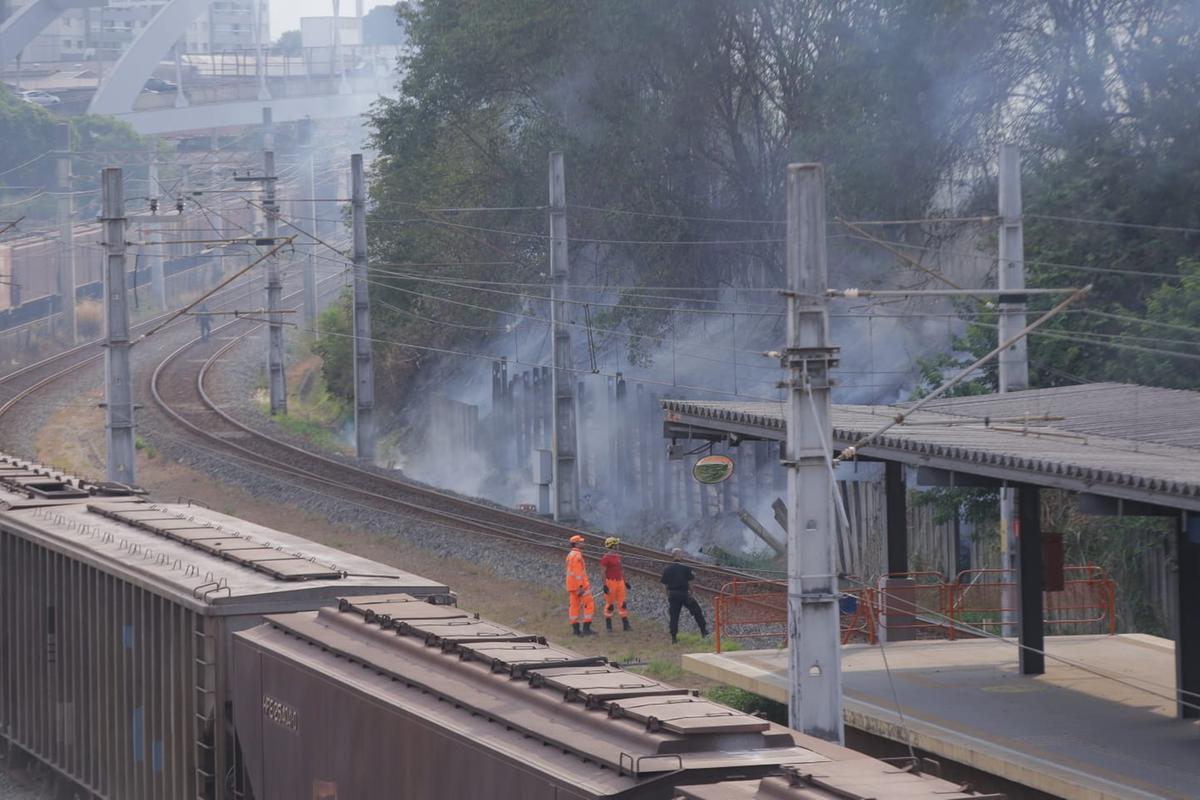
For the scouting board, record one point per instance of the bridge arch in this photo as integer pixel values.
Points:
(124, 83)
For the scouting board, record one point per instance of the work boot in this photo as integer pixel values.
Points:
(587, 629)
(625, 626)
(575, 628)
(608, 624)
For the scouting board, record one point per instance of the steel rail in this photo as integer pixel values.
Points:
(80, 356)
(379, 490)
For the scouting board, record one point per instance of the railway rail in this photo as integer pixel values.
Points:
(28, 380)
(178, 387)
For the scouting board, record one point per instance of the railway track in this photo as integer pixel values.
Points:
(28, 380)
(178, 387)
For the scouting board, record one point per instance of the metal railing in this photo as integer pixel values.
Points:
(975, 599)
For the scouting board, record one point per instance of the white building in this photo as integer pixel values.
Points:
(104, 32)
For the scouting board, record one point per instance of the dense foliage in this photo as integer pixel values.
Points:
(27, 137)
(686, 111)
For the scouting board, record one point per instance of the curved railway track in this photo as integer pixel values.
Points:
(178, 387)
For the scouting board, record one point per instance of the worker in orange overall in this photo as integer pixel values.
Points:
(579, 590)
(615, 585)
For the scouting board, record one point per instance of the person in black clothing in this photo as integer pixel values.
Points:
(677, 577)
(205, 321)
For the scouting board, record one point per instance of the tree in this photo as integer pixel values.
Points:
(674, 115)
(384, 25)
(290, 43)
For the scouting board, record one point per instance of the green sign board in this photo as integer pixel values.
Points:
(713, 469)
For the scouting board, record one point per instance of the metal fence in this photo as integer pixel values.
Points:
(977, 599)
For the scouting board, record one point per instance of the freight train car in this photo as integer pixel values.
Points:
(392, 698)
(116, 618)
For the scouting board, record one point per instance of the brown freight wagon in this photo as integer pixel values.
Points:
(116, 618)
(391, 698)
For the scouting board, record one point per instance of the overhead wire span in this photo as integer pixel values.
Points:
(901, 415)
(1115, 224)
(545, 321)
(493, 357)
(1034, 262)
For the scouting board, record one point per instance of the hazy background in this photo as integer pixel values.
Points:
(286, 14)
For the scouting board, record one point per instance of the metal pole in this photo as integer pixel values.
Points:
(562, 440)
(118, 387)
(814, 671)
(310, 263)
(1013, 362)
(66, 234)
(259, 67)
(181, 100)
(364, 368)
(158, 281)
(275, 365)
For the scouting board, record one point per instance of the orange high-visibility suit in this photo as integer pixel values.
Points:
(577, 579)
(614, 585)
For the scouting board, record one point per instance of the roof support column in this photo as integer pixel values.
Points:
(1029, 580)
(1187, 628)
(896, 491)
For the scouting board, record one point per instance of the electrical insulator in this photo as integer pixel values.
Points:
(153, 205)
(179, 205)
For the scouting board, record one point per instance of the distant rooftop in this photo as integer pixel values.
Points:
(1132, 442)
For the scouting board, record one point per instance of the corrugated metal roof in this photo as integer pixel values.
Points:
(185, 571)
(1120, 410)
(612, 722)
(1046, 454)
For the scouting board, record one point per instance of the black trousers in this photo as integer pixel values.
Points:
(676, 602)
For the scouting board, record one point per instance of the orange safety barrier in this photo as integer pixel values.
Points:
(983, 597)
(978, 598)
(925, 601)
(758, 610)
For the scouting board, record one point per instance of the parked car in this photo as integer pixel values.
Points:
(158, 85)
(40, 98)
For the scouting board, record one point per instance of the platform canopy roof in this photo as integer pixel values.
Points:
(1133, 443)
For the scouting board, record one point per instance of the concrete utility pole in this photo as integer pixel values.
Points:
(310, 263)
(563, 441)
(275, 365)
(118, 397)
(364, 366)
(158, 278)
(814, 646)
(1014, 361)
(66, 233)
(259, 66)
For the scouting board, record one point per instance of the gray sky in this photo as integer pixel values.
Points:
(286, 14)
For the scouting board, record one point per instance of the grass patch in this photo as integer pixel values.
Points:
(662, 670)
(145, 448)
(313, 432)
(748, 702)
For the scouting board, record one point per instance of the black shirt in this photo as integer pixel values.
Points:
(677, 576)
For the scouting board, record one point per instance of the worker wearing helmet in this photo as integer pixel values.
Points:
(579, 590)
(615, 585)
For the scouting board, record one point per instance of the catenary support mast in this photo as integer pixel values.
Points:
(814, 646)
(1013, 362)
(563, 442)
(364, 366)
(275, 344)
(118, 397)
(66, 233)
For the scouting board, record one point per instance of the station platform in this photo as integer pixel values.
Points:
(1068, 733)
